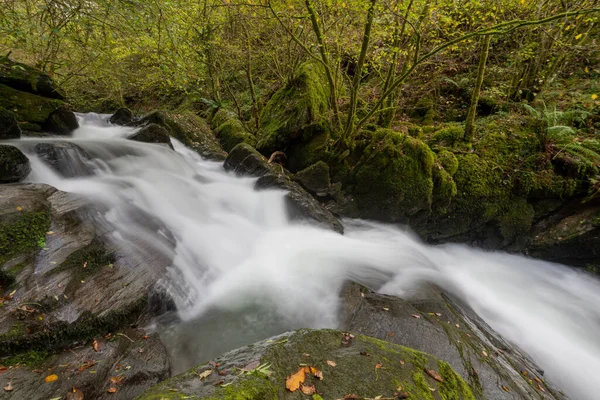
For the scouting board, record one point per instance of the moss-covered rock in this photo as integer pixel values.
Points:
(28, 79)
(23, 233)
(122, 116)
(292, 108)
(9, 128)
(27, 107)
(152, 133)
(401, 370)
(243, 159)
(315, 178)
(449, 135)
(189, 129)
(393, 179)
(448, 161)
(14, 165)
(61, 122)
(231, 133)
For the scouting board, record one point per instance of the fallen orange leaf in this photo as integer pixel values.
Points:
(96, 346)
(292, 382)
(112, 390)
(378, 366)
(117, 379)
(51, 378)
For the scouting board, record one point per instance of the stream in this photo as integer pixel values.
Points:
(243, 271)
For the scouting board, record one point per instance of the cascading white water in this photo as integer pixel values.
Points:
(240, 263)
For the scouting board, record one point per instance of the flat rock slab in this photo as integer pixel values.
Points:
(337, 365)
(436, 324)
(127, 362)
(68, 281)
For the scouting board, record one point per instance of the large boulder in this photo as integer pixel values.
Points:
(393, 178)
(245, 160)
(189, 129)
(122, 116)
(293, 108)
(28, 79)
(64, 283)
(31, 111)
(230, 130)
(61, 121)
(571, 236)
(152, 133)
(446, 329)
(329, 364)
(9, 128)
(14, 165)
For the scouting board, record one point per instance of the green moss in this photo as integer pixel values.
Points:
(27, 107)
(191, 130)
(449, 135)
(420, 389)
(354, 373)
(84, 263)
(394, 177)
(23, 234)
(444, 189)
(292, 108)
(232, 133)
(517, 219)
(448, 161)
(221, 117)
(315, 178)
(32, 358)
(453, 387)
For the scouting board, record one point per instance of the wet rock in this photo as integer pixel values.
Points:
(152, 133)
(58, 257)
(128, 361)
(66, 158)
(364, 366)
(9, 128)
(571, 238)
(24, 78)
(245, 160)
(122, 116)
(315, 179)
(61, 122)
(29, 109)
(189, 129)
(14, 165)
(451, 332)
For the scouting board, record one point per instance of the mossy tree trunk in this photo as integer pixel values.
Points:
(325, 61)
(469, 125)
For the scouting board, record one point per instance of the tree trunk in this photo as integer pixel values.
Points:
(469, 125)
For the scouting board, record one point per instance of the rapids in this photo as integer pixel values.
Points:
(242, 271)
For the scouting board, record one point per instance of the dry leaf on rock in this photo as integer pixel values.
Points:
(205, 374)
(51, 378)
(9, 387)
(292, 382)
(331, 363)
(434, 375)
(112, 389)
(308, 390)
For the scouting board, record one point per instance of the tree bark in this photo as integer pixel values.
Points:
(469, 125)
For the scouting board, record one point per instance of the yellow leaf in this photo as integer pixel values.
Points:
(19, 208)
(51, 378)
(579, 36)
(594, 96)
(292, 382)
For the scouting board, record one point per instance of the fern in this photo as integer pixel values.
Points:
(560, 133)
(532, 111)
